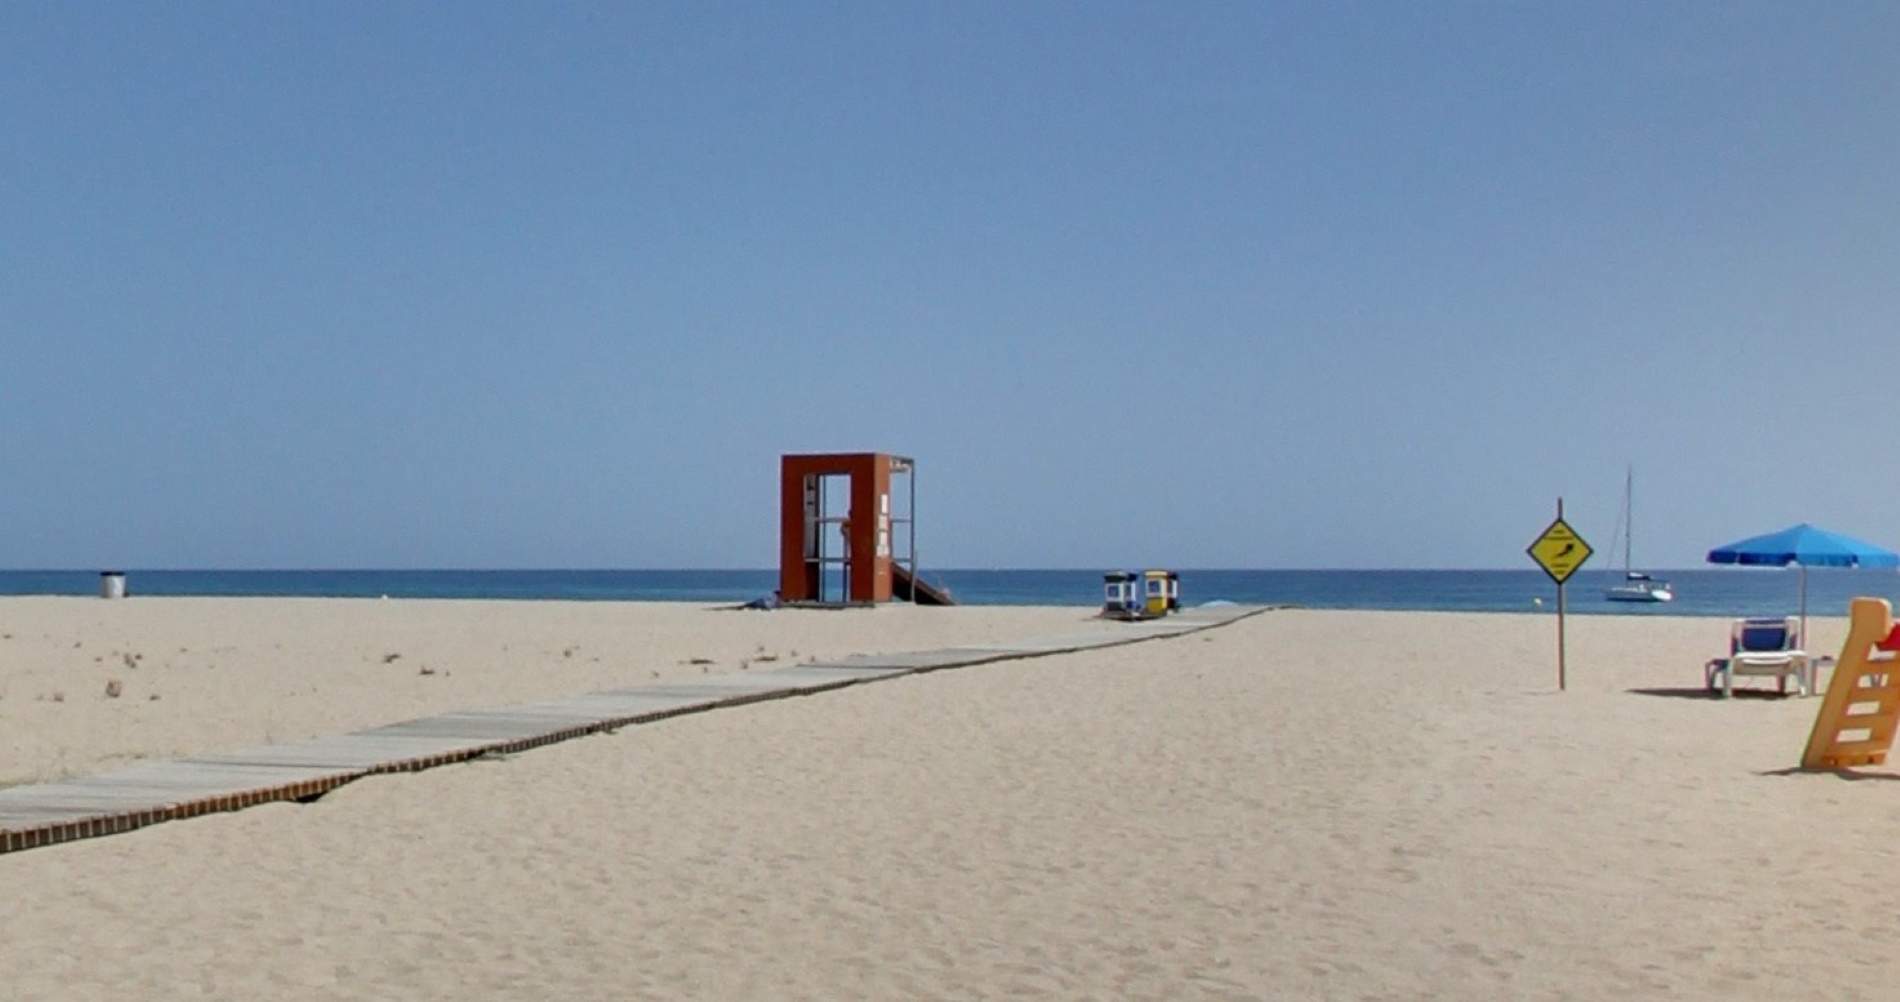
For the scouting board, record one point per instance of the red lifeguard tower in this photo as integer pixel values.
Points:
(838, 532)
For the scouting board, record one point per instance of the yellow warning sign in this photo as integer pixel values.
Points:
(1559, 551)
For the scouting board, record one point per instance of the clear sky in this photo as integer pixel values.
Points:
(1244, 285)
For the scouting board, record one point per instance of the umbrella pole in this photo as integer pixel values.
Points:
(1804, 605)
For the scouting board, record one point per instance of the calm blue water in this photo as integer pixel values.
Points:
(1700, 592)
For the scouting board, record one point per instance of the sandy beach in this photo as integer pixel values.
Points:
(1307, 804)
(215, 674)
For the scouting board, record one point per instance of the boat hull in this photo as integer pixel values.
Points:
(1639, 595)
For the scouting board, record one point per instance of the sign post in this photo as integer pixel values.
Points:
(1559, 551)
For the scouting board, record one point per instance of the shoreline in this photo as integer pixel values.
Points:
(1712, 592)
(1618, 612)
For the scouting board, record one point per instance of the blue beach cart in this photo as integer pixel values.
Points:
(1140, 594)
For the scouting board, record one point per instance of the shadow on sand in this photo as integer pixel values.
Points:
(1698, 692)
(1836, 773)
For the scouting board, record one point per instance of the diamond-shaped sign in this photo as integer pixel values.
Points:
(1559, 551)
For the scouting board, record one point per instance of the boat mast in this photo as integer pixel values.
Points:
(1629, 514)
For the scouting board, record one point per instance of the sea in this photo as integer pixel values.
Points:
(1699, 592)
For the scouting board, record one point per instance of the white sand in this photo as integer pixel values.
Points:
(1304, 805)
(222, 674)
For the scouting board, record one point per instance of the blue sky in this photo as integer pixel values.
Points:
(537, 285)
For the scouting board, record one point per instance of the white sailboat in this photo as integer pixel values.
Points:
(1635, 586)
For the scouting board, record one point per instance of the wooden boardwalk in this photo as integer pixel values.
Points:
(150, 792)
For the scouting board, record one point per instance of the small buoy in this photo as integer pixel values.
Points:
(1538, 602)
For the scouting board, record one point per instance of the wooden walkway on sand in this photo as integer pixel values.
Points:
(151, 792)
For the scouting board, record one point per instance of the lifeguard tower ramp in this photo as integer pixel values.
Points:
(907, 589)
(1857, 719)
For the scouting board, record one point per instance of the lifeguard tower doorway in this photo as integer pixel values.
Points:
(845, 536)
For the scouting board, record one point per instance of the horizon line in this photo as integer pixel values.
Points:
(1092, 569)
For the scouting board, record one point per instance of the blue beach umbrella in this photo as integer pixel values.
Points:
(1805, 546)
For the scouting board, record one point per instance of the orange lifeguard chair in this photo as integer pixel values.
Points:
(857, 562)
